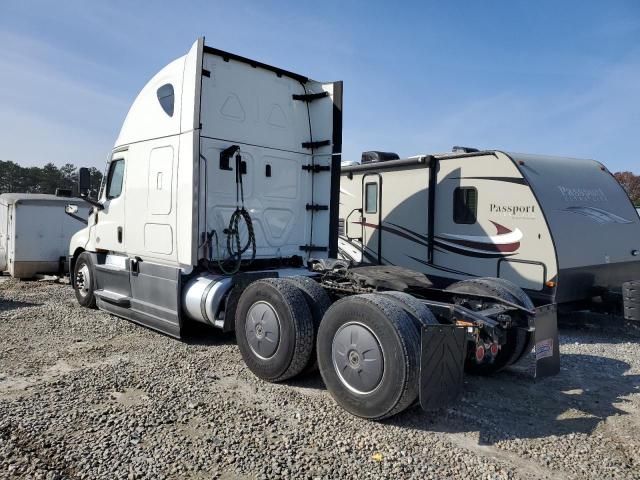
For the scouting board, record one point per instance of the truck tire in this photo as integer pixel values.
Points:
(85, 280)
(513, 289)
(369, 355)
(517, 339)
(318, 301)
(274, 329)
(418, 311)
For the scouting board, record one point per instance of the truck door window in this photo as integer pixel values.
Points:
(371, 198)
(115, 178)
(465, 205)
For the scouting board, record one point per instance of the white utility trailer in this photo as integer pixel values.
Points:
(35, 232)
(562, 229)
(220, 205)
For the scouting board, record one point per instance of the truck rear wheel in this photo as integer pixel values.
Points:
(417, 310)
(318, 301)
(274, 329)
(517, 339)
(84, 280)
(369, 355)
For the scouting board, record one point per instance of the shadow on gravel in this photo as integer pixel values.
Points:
(195, 333)
(311, 380)
(509, 406)
(6, 305)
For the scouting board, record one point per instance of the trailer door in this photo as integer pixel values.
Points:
(4, 230)
(372, 217)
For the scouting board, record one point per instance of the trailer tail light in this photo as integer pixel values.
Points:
(480, 354)
(494, 349)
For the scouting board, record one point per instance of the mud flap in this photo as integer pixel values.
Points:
(547, 349)
(441, 365)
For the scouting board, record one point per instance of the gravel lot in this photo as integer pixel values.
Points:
(87, 395)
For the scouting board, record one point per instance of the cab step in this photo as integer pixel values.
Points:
(113, 297)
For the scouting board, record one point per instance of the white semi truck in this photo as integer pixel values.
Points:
(220, 206)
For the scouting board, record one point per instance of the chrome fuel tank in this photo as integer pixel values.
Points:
(203, 298)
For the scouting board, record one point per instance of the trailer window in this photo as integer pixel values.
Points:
(371, 198)
(115, 178)
(465, 205)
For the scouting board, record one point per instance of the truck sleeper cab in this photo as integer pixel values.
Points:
(220, 205)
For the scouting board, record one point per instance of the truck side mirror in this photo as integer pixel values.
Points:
(71, 209)
(84, 181)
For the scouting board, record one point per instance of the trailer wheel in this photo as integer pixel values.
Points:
(274, 329)
(369, 355)
(84, 280)
(318, 301)
(512, 288)
(517, 339)
(524, 340)
(418, 311)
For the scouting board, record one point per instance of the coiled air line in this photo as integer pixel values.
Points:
(235, 248)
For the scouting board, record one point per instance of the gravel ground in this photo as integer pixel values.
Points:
(87, 395)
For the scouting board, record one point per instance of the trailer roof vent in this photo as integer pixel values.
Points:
(458, 149)
(373, 156)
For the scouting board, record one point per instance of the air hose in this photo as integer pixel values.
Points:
(235, 249)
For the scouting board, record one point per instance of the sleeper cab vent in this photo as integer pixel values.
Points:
(166, 98)
(341, 226)
(373, 156)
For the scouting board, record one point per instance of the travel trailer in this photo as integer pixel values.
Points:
(562, 229)
(35, 233)
(220, 206)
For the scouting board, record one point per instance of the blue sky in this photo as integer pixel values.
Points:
(538, 77)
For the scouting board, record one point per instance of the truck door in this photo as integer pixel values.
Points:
(372, 218)
(109, 228)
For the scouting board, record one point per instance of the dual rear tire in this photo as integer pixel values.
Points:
(368, 346)
(369, 355)
(276, 324)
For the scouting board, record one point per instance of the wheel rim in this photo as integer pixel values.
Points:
(262, 330)
(357, 358)
(83, 280)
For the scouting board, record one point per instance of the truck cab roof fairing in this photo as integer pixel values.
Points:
(148, 117)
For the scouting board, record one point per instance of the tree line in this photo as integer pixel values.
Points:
(631, 184)
(15, 178)
(18, 179)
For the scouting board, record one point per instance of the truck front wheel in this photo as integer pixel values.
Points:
(84, 280)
